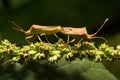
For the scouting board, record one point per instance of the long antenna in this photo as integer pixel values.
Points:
(18, 27)
(101, 26)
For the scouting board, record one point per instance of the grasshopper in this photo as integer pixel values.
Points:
(82, 32)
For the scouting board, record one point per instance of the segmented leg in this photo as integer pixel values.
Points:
(72, 40)
(39, 38)
(80, 41)
(28, 37)
(46, 38)
(68, 38)
(56, 36)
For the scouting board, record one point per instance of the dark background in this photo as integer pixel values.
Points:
(74, 13)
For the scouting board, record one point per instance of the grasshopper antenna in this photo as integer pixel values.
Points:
(93, 35)
(18, 27)
(101, 26)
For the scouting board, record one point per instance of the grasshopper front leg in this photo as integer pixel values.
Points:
(28, 37)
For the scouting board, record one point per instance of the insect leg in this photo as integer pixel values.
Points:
(80, 41)
(28, 37)
(46, 38)
(68, 37)
(56, 36)
(39, 38)
(68, 40)
(72, 40)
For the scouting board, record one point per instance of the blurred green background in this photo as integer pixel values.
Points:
(74, 13)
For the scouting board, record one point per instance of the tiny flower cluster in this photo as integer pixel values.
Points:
(53, 52)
